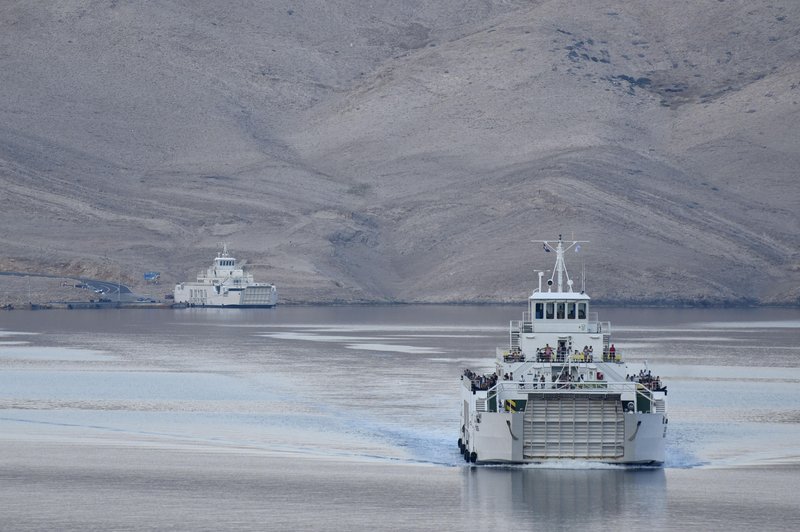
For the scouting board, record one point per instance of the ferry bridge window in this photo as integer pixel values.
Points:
(539, 311)
(581, 311)
(571, 311)
(549, 312)
(560, 311)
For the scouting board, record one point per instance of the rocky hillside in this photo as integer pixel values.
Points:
(407, 151)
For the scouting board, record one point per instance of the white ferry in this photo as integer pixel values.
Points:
(561, 390)
(226, 284)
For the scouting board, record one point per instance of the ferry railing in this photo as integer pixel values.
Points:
(557, 386)
(593, 324)
(507, 355)
(644, 399)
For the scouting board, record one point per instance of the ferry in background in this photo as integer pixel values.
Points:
(561, 390)
(226, 284)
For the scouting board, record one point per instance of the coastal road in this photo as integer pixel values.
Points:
(110, 290)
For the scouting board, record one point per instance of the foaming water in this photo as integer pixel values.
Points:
(6, 333)
(25, 351)
(393, 348)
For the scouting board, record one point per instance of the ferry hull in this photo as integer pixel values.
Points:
(200, 295)
(585, 427)
(229, 306)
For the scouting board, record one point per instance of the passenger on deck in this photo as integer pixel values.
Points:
(548, 353)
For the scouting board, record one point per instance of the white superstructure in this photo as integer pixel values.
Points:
(561, 390)
(226, 284)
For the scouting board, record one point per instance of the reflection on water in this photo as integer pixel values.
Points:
(560, 498)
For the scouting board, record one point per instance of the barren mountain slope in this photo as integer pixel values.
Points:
(407, 151)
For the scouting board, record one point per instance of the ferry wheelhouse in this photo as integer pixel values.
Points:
(226, 284)
(561, 390)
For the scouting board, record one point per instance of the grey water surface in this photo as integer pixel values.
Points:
(346, 418)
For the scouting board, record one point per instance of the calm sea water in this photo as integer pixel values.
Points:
(346, 418)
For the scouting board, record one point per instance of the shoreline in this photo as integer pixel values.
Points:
(22, 291)
(128, 305)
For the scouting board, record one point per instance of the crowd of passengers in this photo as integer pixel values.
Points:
(515, 355)
(480, 382)
(548, 354)
(486, 382)
(646, 378)
(563, 380)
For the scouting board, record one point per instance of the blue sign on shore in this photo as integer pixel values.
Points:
(152, 276)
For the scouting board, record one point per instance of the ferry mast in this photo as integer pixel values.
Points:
(560, 269)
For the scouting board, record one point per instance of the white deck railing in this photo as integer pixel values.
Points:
(583, 388)
(593, 325)
(574, 386)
